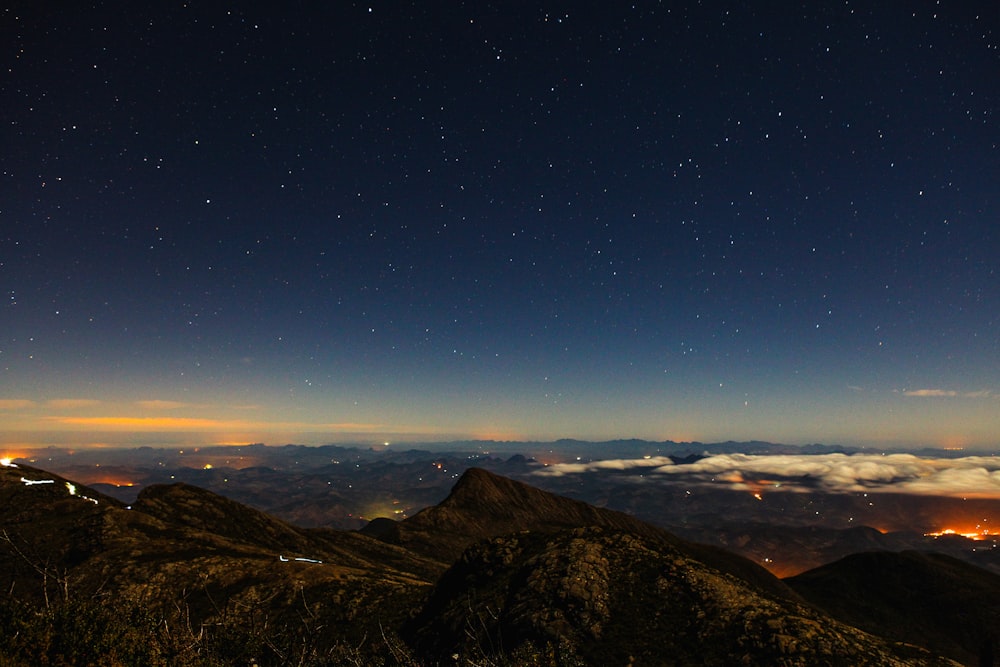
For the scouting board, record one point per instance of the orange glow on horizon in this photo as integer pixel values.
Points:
(782, 570)
(954, 442)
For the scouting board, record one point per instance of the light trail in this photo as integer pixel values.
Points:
(283, 559)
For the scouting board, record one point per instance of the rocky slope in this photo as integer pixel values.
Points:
(605, 597)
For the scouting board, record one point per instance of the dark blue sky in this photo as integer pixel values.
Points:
(595, 220)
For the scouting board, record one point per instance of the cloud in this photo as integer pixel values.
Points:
(71, 403)
(840, 472)
(16, 404)
(560, 469)
(984, 393)
(946, 393)
(965, 481)
(971, 476)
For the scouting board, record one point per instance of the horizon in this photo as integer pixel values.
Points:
(220, 435)
(489, 446)
(124, 440)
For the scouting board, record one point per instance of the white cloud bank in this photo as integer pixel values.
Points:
(971, 476)
(946, 393)
(559, 469)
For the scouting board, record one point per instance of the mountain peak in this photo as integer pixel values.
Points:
(483, 490)
(484, 504)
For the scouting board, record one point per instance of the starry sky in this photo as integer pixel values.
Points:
(386, 221)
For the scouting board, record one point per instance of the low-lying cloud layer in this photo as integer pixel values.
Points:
(971, 476)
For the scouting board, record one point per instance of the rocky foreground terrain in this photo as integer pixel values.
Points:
(498, 573)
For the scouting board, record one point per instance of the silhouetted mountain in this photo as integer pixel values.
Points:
(930, 599)
(483, 505)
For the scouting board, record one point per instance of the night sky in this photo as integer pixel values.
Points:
(336, 222)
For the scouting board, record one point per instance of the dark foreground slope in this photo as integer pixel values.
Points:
(220, 577)
(945, 604)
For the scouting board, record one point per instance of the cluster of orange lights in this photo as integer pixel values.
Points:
(114, 481)
(978, 534)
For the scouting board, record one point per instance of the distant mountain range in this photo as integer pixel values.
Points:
(498, 572)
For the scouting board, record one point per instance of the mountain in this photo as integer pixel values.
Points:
(484, 505)
(542, 573)
(498, 572)
(219, 573)
(789, 550)
(940, 602)
(599, 596)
